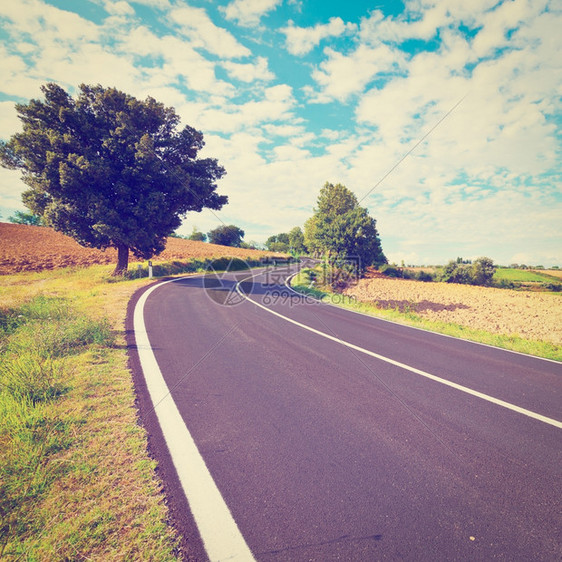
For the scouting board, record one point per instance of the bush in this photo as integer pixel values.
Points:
(424, 276)
(390, 270)
(480, 272)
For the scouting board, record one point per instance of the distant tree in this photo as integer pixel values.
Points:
(311, 241)
(483, 271)
(342, 230)
(226, 235)
(20, 217)
(197, 235)
(110, 170)
(455, 272)
(296, 240)
(278, 242)
(480, 272)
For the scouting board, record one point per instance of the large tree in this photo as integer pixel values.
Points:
(342, 230)
(109, 169)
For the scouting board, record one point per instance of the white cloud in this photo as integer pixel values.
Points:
(175, 61)
(202, 32)
(276, 104)
(301, 40)
(161, 4)
(9, 122)
(120, 8)
(496, 23)
(485, 177)
(249, 72)
(11, 188)
(340, 75)
(249, 12)
(32, 17)
(284, 130)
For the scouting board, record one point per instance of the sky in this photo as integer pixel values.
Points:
(442, 116)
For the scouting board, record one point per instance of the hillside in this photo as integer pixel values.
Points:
(34, 248)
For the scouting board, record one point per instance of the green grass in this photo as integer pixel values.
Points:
(76, 481)
(301, 283)
(523, 276)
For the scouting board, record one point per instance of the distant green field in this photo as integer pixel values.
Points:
(522, 276)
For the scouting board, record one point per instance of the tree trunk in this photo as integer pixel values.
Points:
(122, 260)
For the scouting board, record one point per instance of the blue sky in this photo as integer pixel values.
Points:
(459, 101)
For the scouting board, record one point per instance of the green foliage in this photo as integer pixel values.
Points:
(396, 272)
(342, 230)
(226, 235)
(480, 272)
(311, 240)
(34, 341)
(286, 242)
(19, 217)
(197, 236)
(278, 243)
(110, 170)
(390, 271)
(424, 276)
(296, 240)
(483, 271)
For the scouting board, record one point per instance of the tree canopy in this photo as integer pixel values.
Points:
(226, 235)
(342, 230)
(109, 169)
(278, 242)
(296, 240)
(287, 241)
(481, 272)
(197, 235)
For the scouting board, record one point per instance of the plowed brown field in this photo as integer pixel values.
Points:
(34, 248)
(535, 316)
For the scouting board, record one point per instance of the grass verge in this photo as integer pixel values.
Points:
(302, 284)
(76, 481)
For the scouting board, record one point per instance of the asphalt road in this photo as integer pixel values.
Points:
(322, 451)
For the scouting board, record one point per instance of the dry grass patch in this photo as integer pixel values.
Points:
(515, 320)
(534, 316)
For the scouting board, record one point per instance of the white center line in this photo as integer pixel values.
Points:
(425, 374)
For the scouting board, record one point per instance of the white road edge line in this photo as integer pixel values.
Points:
(427, 330)
(435, 378)
(220, 533)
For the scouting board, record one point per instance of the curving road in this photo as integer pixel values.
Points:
(300, 431)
